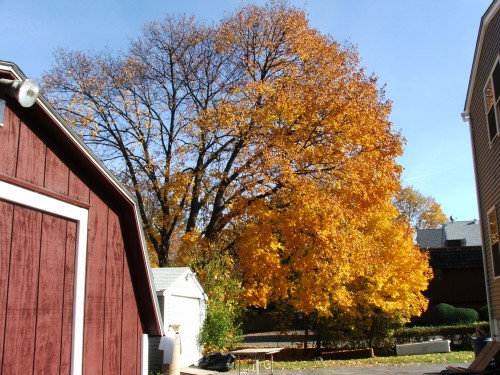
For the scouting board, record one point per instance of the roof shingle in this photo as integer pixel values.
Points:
(469, 232)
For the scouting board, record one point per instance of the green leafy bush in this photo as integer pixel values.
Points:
(222, 328)
(444, 314)
(220, 331)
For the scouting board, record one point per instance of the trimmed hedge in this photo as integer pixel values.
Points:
(459, 335)
(444, 314)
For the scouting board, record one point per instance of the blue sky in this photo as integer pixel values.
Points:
(421, 50)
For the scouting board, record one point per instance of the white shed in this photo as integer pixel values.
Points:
(182, 302)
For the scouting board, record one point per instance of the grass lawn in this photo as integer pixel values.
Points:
(452, 357)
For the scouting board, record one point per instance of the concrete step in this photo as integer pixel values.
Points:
(196, 371)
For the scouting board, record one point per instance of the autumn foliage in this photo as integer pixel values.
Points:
(352, 264)
(264, 136)
(422, 212)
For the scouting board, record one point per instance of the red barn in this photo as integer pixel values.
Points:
(76, 292)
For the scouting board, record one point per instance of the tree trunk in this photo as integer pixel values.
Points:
(306, 332)
(318, 341)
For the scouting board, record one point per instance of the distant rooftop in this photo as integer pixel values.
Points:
(451, 234)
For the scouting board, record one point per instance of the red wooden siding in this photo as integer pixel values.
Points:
(77, 189)
(95, 288)
(67, 312)
(113, 297)
(51, 295)
(129, 325)
(111, 338)
(10, 140)
(56, 174)
(37, 260)
(21, 292)
(33, 324)
(6, 212)
(139, 343)
(30, 166)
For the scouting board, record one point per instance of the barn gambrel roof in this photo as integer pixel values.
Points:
(62, 134)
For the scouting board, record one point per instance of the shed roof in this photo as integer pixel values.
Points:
(68, 141)
(167, 277)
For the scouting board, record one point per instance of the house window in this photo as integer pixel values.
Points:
(495, 250)
(492, 101)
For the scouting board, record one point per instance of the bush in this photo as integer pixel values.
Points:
(459, 335)
(463, 315)
(444, 314)
(222, 328)
(441, 314)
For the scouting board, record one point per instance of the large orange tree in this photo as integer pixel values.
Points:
(263, 136)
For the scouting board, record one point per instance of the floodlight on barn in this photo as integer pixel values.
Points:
(25, 92)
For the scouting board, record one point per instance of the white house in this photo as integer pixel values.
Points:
(182, 302)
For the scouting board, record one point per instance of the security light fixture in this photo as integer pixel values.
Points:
(25, 92)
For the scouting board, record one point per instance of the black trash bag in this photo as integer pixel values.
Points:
(217, 361)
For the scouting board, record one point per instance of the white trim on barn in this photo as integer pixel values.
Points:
(145, 354)
(40, 202)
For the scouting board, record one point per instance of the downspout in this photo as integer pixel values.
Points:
(466, 118)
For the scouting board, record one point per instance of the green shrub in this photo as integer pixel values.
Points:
(459, 335)
(463, 315)
(483, 313)
(444, 314)
(441, 314)
(222, 328)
